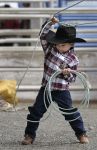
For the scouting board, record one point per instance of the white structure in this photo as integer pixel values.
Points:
(13, 5)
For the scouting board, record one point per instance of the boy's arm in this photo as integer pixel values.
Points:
(45, 29)
(72, 65)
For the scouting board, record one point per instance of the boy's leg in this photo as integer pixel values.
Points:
(63, 99)
(36, 113)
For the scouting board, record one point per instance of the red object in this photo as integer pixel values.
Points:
(10, 24)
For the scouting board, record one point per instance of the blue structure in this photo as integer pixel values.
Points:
(74, 17)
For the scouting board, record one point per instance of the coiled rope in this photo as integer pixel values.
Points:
(69, 111)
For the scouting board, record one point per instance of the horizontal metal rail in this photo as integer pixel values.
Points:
(36, 31)
(21, 69)
(25, 0)
(23, 16)
(84, 30)
(43, 10)
(28, 88)
(30, 40)
(28, 49)
(19, 31)
(18, 40)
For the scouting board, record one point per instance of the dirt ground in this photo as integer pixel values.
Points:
(53, 134)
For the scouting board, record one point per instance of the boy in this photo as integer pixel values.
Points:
(58, 50)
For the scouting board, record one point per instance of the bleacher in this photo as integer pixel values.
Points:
(15, 59)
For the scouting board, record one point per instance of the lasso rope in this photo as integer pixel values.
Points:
(68, 7)
(69, 111)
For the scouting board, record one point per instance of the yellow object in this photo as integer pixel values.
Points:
(8, 91)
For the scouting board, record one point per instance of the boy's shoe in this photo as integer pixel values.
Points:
(28, 140)
(83, 139)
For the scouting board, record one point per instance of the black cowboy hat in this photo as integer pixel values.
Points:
(64, 34)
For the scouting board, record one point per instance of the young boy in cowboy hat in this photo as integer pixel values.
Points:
(58, 54)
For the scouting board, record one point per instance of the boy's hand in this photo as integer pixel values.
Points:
(54, 20)
(66, 71)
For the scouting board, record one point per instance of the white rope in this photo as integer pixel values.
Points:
(68, 7)
(69, 111)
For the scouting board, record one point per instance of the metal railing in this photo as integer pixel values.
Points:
(31, 49)
(46, 10)
(30, 40)
(36, 31)
(24, 0)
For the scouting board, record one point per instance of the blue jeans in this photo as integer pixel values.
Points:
(63, 99)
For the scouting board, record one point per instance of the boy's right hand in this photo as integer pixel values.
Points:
(54, 20)
(66, 71)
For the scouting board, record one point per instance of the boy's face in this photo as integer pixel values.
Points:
(64, 47)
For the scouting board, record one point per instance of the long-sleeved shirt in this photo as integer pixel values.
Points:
(54, 60)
